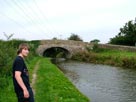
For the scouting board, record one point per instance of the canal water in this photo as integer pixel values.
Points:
(102, 83)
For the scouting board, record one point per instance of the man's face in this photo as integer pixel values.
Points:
(25, 52)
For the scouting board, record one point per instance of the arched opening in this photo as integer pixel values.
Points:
(57, 52)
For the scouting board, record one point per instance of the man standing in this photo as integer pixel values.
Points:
(21, 77)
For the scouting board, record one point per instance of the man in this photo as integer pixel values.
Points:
(20, 75)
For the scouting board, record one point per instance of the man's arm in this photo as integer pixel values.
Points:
(21, 83)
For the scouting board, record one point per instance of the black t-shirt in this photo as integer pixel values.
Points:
(19, 65)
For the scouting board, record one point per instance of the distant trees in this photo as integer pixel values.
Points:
(95, 41)
(75, 37)
(126, 36)
(54, 38)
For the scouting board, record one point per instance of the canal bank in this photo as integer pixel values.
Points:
(118, 58)
(53, 86)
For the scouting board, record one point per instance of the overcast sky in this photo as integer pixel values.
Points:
(45, 19)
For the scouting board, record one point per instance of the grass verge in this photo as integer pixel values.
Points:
(53, 86)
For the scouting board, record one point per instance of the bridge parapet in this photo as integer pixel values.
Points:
(64, 42)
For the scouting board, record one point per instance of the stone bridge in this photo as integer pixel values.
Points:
(69, 47)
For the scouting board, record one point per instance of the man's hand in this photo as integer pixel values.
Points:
(26, 93)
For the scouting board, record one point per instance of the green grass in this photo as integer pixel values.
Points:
(117, 53)
(7, 93)
(53, 86)
(31, 64)
(119, 58)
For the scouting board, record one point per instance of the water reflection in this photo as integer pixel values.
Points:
(102, 83)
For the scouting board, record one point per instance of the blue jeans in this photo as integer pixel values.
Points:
(21, 98)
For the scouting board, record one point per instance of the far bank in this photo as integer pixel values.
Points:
(113, 57)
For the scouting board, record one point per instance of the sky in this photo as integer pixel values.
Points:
(46, 19)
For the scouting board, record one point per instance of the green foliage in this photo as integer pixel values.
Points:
(85, 56)
(129, 62)
(8, 51)
(60, 55)
(126, 36)
(7, 54)
(95, 41)
(97, 49)
(55, 38)
(118, 58)
(7, 93)
(74, 37)
(3, 82)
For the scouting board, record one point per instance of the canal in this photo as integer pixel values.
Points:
(102, 83)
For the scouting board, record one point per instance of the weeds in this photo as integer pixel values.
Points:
(98, 55)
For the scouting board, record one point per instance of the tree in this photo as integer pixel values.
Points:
(74, 37)
(95, 41)
(126, 36)
(54, 38)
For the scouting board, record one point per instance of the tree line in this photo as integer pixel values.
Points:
(127, 35)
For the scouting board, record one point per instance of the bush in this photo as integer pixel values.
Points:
(4, 82)
(8, 54)
(84, 56)
(129, 62)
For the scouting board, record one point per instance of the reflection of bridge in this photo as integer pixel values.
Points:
(69, 47)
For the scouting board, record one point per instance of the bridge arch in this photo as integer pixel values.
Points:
(57, 52)
(69, 47)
